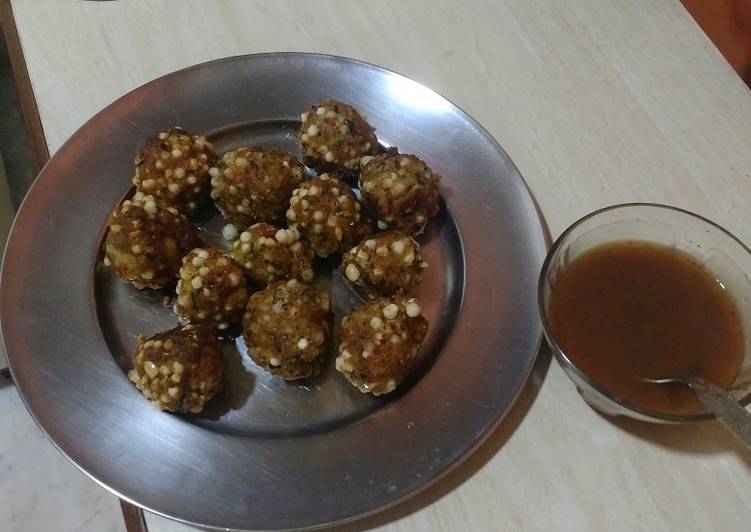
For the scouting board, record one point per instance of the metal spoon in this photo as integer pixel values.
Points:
(718, 401)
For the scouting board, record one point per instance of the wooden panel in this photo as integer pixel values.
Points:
(23, 83)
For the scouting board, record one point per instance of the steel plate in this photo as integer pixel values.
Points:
(272, 455)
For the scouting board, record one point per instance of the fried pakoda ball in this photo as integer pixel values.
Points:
(333, 137)
(253, 185)
(287, 329)
(212, 288)
(400, 190)
(145, 242)
(328, 215)
(181, 369)
(267, 253)
(174, 168)
(383, 264)
(380, 342)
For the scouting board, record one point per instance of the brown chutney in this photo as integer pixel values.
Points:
(632, 309)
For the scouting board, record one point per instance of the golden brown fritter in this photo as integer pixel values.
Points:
(145, 241)
(380, 342)
(400, 190)
(211, 288)
(333, 137)
(287, 328)
(383, 264)
(327, 214)
(253, 185)
(174, 168)
(267, 254)
(181, 369)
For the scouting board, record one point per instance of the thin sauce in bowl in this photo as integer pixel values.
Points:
(632, 309)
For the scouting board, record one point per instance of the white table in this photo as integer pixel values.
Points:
(597, 102)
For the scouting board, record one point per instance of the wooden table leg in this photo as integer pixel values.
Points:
(133, 516)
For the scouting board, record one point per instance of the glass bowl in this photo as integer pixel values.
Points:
(709, 244)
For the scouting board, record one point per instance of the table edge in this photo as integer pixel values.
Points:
(23, 82)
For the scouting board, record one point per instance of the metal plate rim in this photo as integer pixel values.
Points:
(447, 468)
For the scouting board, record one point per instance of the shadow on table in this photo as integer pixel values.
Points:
(701, 437)
(472, 464)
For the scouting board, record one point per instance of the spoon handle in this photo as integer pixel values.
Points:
(725, 407)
